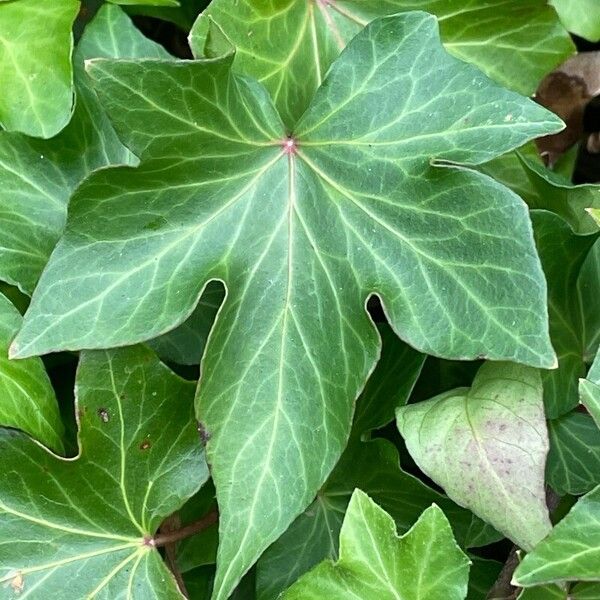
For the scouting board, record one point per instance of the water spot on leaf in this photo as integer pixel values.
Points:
(17, 583)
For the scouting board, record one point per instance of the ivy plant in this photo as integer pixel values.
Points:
(238, 240)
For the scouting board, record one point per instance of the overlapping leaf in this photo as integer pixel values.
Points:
(27, 399)
(486, 446)
(581, 17)
(373, 467)
(290, 45)
(589, 389)
(35, 65)
(563, 253)
(375, 564)
(88, 523)
(574, 458)
(300, 237)
(37, 177)
(571, 551)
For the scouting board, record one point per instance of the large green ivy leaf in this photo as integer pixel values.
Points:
(574, 459)
(289, 45)
(424, 564)
(35, 65)
(300, 238)
(582, 17)
(27, 400)
(90, 521)
(37, 177)
(570, 552)
(486, 446)
(563, 253)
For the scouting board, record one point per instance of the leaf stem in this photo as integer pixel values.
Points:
(163, 539)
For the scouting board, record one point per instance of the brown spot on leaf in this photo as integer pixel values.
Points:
(103, 414)
(145, 445)
(204, 433)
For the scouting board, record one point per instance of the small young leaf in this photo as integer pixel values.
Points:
(35, 65)
(374, 468)
(570, 552)
(375, 563)
(90, 521)
(289, 46)
(486, 446)
(27, 400)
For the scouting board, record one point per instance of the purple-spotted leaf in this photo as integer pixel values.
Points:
(486, 447)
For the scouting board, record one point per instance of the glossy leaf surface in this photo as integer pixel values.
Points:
(27, 400)
(90, 520)
(300, 240)
(289, 46)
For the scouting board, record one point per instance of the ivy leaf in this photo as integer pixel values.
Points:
(27, 400)
(486, 446)
(374, 562)
(556, 193)
(35, 65)
(574, 459)
(581, 17)
(563, 253)
(290, 46)
(300, 239)
(589, 390)
(91, 520)
(588, 292)
(37, 177)
(373, 467)
(570, 552)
